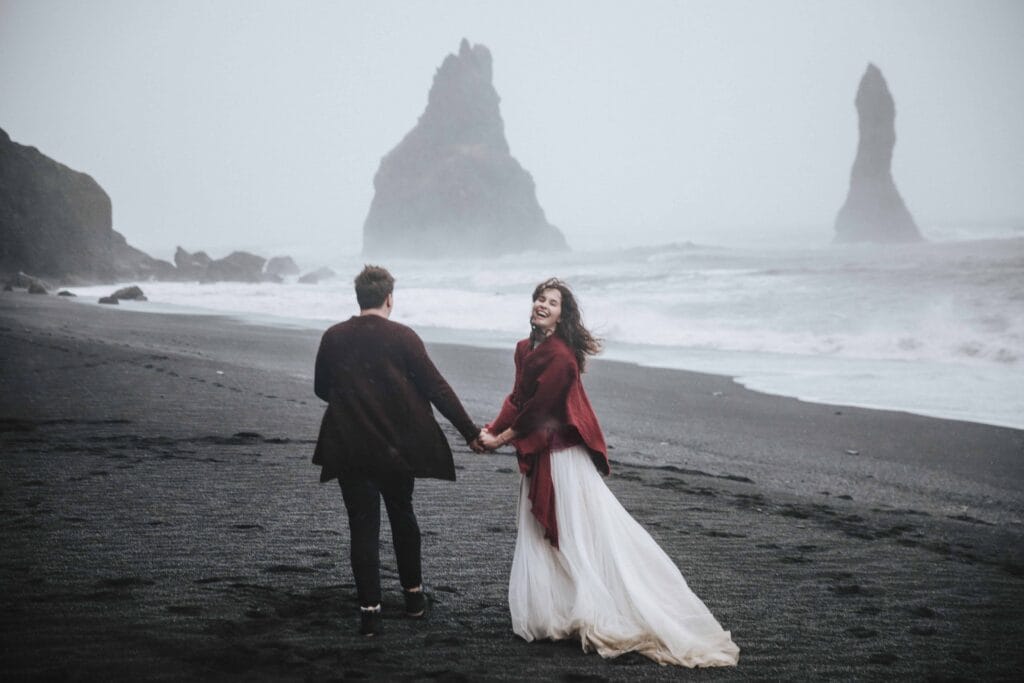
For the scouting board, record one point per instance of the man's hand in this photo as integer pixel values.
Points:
(475, 444)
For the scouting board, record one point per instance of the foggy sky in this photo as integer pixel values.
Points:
(260, 125)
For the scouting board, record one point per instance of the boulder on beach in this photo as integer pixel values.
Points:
(65, 292)
(451, 186)
(21, 280)
(133, 293)
(281, 266)
(35, 288)
(109, 300)
(317, 276)
(56, 222)
(874, 210)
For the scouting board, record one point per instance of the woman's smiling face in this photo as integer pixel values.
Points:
(546, 311)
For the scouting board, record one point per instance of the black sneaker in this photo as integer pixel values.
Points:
(370, 623)
(415, 603)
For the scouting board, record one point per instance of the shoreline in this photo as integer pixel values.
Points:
(158, 489)
(749, 379)
(629, 390)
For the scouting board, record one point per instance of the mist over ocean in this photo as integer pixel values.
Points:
(935, 329)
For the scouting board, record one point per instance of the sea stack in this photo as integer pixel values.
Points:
(451, 187)
(874, 210)
(56, 222)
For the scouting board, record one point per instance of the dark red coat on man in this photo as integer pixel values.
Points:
(379, 384)
(548, 406)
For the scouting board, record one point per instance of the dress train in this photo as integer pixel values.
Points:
(608, 583)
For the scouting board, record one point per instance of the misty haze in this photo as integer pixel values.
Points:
(796, 227)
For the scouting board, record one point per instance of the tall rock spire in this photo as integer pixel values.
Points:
(451, 186)
(874, 210)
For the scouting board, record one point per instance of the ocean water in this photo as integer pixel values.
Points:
(935, 329)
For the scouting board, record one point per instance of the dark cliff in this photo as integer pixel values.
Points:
(55, 222)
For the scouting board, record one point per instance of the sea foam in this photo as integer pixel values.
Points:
(935, 328)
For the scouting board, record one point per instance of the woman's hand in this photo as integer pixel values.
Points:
(491, 442)
(488, 441)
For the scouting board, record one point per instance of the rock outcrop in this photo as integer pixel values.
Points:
(56, 222)
(238, 266)
(317, 276)
(874, 210)
(191, 266)
(22, 280)
(281, 266)
(451, 186)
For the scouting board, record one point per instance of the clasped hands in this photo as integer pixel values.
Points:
(486, 442)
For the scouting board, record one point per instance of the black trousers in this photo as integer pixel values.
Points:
(362, 501)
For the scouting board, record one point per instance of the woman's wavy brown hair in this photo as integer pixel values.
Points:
(570, 327)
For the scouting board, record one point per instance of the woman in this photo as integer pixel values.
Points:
(582, 566)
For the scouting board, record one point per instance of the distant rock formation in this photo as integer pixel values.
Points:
(191, 266)
(874, 210)
(282, 266)
(56, 222)
(317, 276)
(451, 187)
(238, 266)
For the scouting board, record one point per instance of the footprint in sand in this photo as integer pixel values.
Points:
(288, 569)
(124, 582)
(712, 533)
(922, 630)
(438, 639)
(967, 657)
(862, 632)
(185, 610)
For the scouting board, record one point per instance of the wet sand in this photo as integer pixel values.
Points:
(161, 519)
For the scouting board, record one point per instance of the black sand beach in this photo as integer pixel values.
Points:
(161, 519)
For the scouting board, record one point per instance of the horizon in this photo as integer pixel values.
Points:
(256, 124)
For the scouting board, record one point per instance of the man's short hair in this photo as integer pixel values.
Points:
(373, 285)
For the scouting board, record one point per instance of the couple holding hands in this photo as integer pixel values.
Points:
(583, 567)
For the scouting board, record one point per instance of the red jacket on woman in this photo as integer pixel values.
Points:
(548, 407)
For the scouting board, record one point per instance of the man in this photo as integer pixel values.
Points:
(378, 433)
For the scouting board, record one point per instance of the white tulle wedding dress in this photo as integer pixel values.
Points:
(608, 583)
